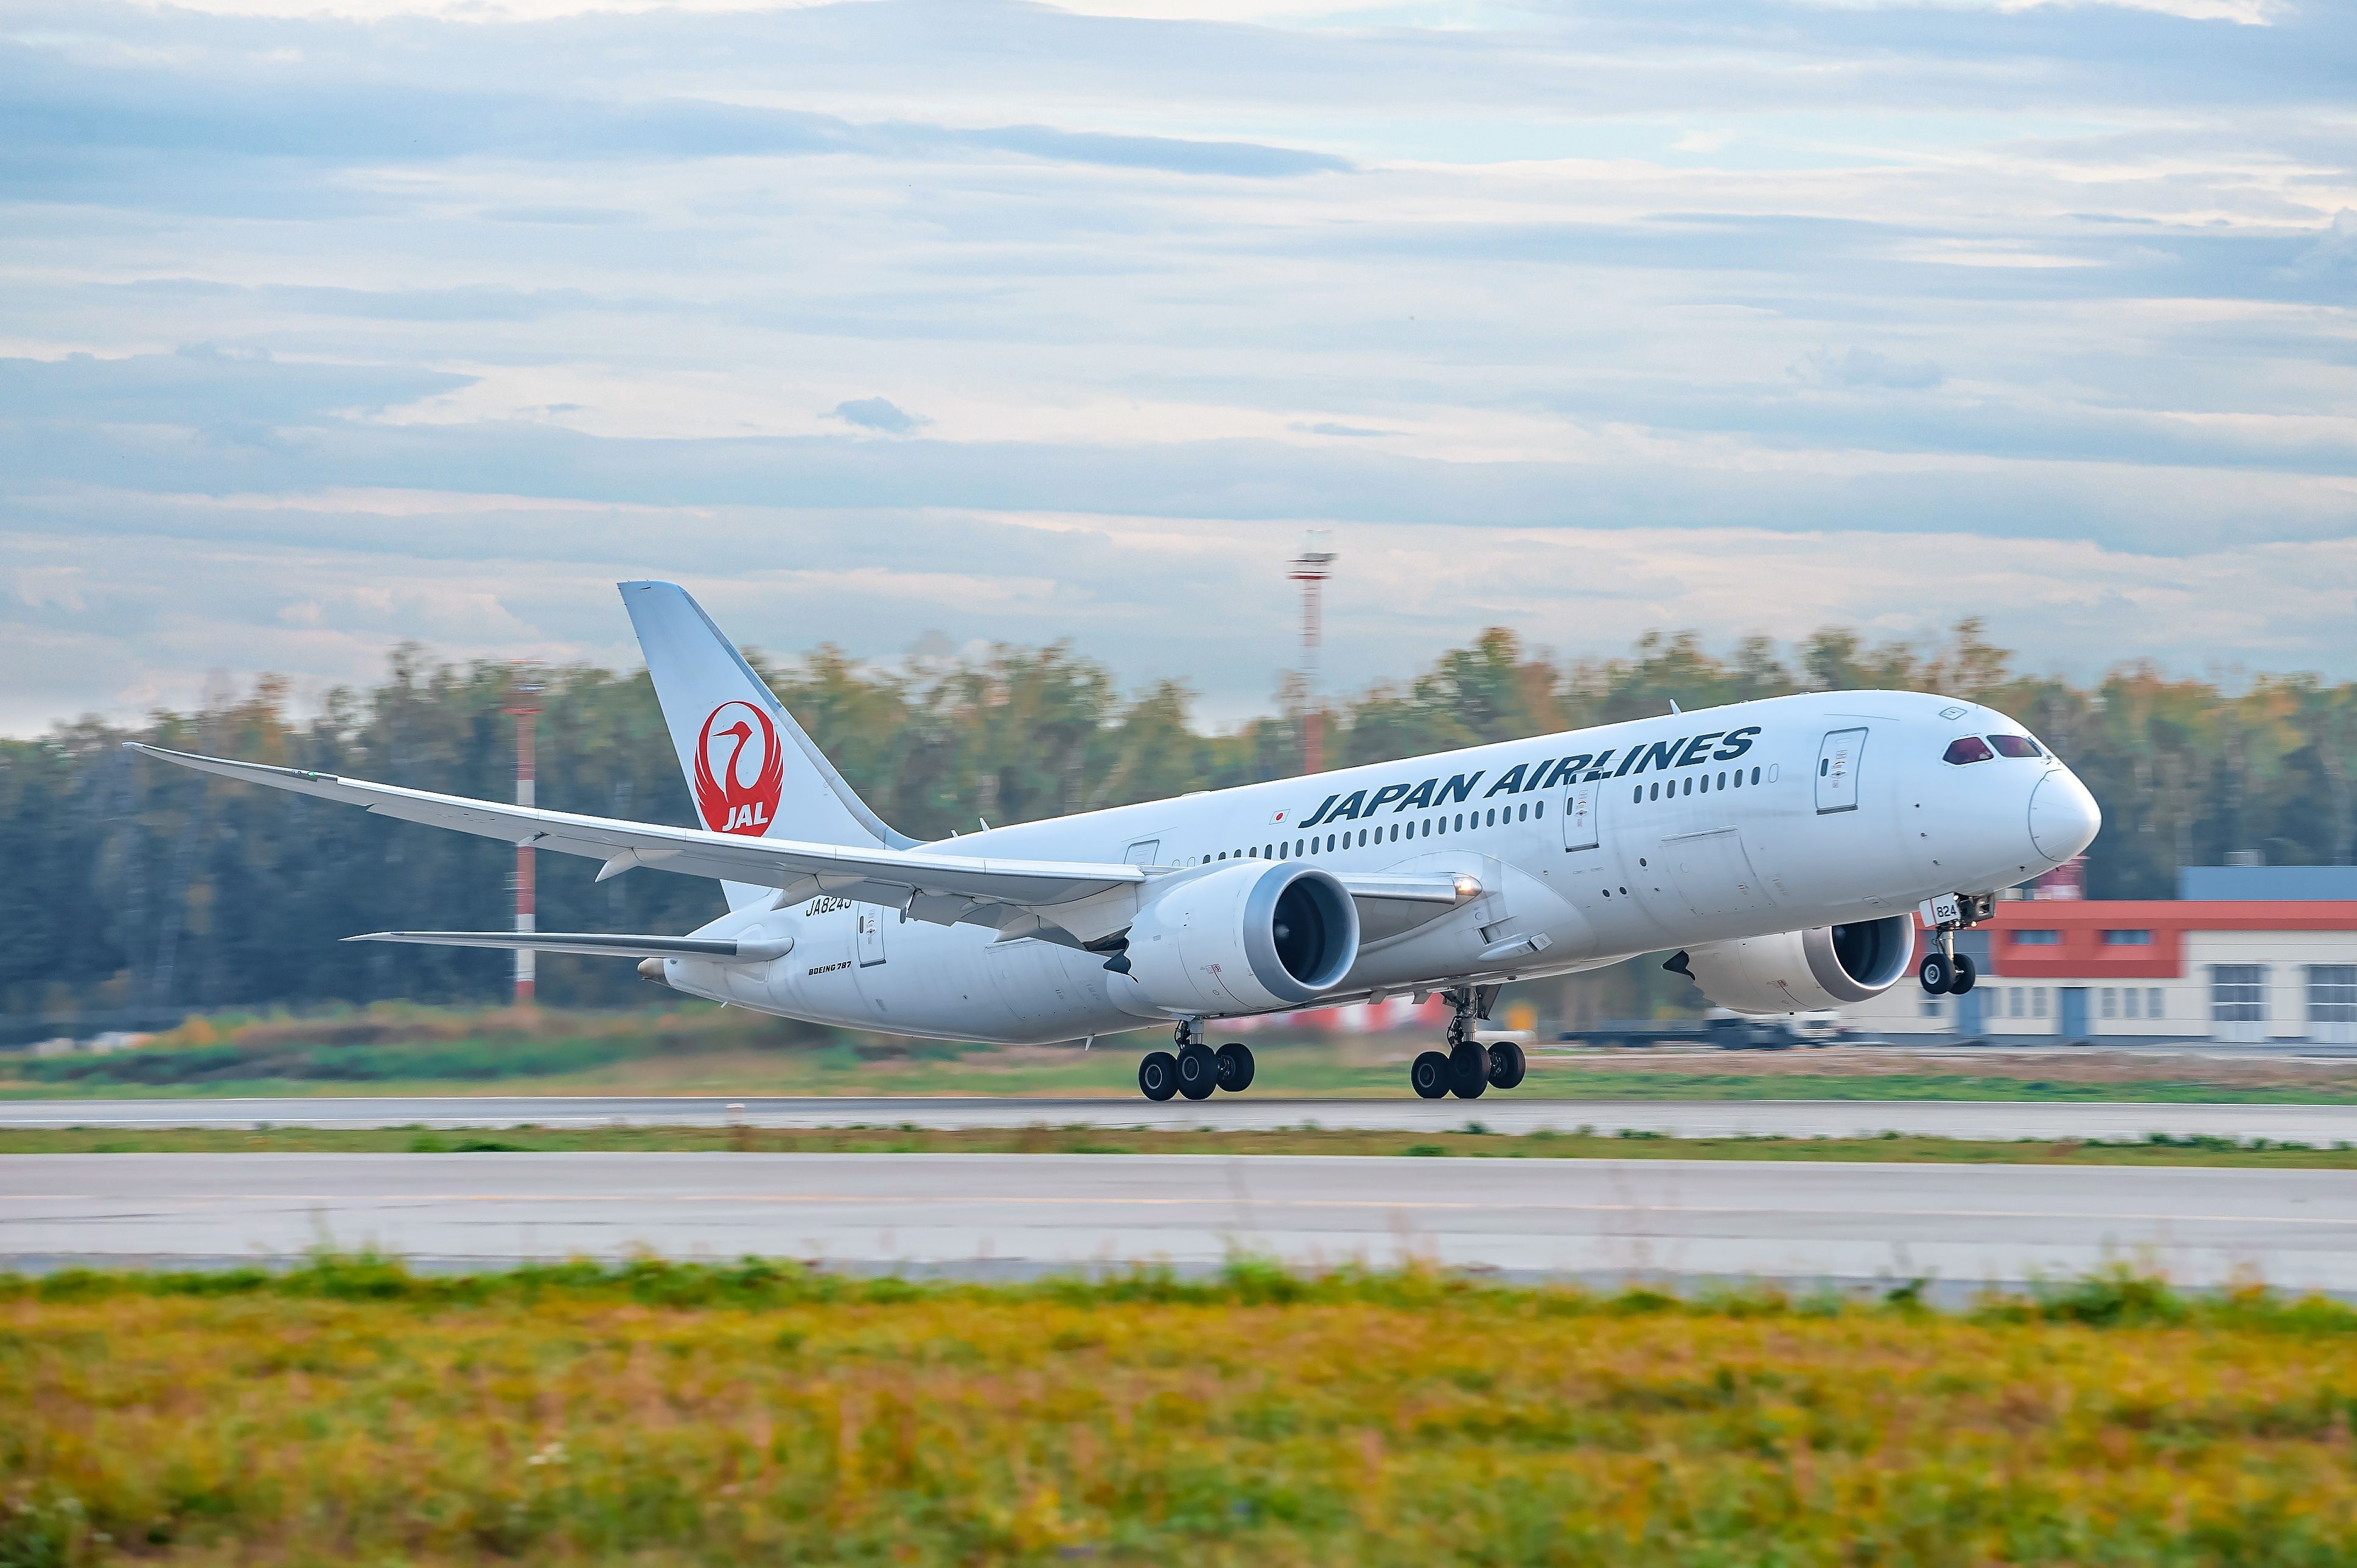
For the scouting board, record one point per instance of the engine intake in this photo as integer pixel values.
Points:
(1244, 938)
(1800, 971)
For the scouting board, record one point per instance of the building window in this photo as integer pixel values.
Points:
(2128, 1000)
(2037, 938)
(2038, 1001)
(1934, 1007)
(2332, 994)
(2238, 993)
(2128, 939)
(2014, 1006)
(2152, 1001)
(2111, 1002)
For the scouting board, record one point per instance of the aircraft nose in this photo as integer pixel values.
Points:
(2063, 816)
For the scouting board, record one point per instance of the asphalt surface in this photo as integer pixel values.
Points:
(997, 1214)
(1501, 1112)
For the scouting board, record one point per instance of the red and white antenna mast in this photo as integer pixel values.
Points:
(524, 687)
(1310, 569)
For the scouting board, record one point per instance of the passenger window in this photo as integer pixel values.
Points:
(1427, 827)
(1722, 781)
(1964, 749)
(2015, 746)
(1655, 793)
(1689, 788)
(1755, 776)
(1460, 821)
(1638, 794)
(1539, 809)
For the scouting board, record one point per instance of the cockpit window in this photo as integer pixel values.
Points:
(1967, 748)
(2015, 746)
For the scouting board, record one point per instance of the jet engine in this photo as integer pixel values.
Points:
(1246, 939)
(1799, 971)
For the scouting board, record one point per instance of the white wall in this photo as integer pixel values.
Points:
(2184, 1003)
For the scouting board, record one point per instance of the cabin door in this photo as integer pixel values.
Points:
(1579, 815)
(1837, 761)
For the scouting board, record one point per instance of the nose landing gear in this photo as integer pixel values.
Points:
(1945, 971)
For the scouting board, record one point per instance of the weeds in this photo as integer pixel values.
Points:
(352, 1410)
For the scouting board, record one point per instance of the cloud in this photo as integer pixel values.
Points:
(1866, 368)
(877, 413)
(516, 295)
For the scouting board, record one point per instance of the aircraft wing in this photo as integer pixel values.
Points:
(1059, 901)
(934, 885)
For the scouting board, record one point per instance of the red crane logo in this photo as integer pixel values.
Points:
(729, 802)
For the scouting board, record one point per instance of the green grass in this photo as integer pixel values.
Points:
(651, 1413)
(2155, 1150)
(400, 1049)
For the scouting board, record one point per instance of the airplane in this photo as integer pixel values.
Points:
(1785, 847)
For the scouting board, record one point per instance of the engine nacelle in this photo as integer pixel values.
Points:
(1800, 971)
(1246, 939)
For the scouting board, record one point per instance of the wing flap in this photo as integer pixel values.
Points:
(726, 950)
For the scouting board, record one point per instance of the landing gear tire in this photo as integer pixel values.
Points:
(1962, 980)
(1936, 973)
(1236, 1067)
(1507, 1065)
(1469, 1069)
(1158, 1075)
(1429, 1075)
(1199, 1070)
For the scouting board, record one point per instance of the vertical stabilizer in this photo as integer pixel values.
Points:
(749, 768)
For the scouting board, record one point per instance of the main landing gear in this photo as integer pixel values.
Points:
(1467, 1069)
(1196, 1069)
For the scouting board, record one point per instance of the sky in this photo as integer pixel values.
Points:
(329, 324)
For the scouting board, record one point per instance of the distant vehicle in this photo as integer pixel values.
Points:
(1739, 1031)
(1721, 1026)
(1752, 836)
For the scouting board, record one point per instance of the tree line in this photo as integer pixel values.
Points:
(130, 883)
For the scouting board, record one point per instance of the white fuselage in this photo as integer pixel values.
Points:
(1590, 846)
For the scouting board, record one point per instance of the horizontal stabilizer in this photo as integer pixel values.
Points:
(725, 949)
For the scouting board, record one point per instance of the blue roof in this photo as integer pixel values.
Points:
(2214, 883)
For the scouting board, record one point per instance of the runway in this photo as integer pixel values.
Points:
(1001, 1215)
(2318, 1124)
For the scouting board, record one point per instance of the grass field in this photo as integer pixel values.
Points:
(395, 1048)
(1471, 1143)
(659, 1413)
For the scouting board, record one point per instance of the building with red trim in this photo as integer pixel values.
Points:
(2279, 964)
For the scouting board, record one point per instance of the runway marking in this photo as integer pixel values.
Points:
(1385, 1205)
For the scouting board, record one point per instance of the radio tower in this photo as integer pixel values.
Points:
(1310, 569)
(524, 686)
